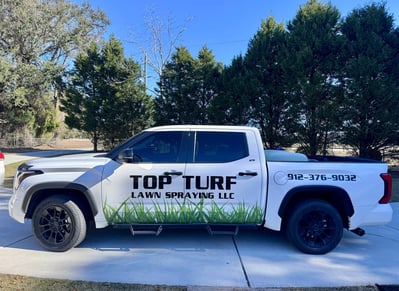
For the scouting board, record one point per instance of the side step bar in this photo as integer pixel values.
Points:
(145, 229)
(223, 229)
(156, 229)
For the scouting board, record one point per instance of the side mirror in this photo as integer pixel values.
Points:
(127, 156)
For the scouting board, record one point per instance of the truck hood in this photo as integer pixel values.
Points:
(68, 162)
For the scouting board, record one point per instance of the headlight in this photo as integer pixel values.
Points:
(24, 172)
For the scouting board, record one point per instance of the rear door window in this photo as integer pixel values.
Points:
(220, 147)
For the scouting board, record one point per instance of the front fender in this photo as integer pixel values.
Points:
(40, 191)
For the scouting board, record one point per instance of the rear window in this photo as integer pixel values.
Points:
(220, 147)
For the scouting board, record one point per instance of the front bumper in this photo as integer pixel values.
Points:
(15, 208)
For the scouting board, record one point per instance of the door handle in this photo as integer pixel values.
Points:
(248, 174)
(174, 173)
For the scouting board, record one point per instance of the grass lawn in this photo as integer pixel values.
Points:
(16, 282)
(10, 170)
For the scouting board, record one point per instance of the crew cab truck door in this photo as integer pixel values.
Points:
(136, 184)
(223, 178)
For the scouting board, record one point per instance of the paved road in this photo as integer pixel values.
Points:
(194, 258)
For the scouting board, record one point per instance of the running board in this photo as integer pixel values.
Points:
(222, 229)
(145, 229)
(212, 229)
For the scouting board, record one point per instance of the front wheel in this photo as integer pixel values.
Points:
(58, 224)
(315, 227)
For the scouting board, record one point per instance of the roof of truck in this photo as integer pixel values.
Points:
(201, 127)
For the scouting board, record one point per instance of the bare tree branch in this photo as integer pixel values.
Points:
(162, 37)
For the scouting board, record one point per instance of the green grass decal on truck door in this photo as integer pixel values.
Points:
(186, 212)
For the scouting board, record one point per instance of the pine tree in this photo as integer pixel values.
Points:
(370, 79)
(105, 96)
(314, 46)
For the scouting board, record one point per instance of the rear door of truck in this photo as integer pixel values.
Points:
(226, 167)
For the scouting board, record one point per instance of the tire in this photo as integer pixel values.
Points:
(315, 227)
(58, 224)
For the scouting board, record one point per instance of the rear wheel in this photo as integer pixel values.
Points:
(58, 224)
(315, 227)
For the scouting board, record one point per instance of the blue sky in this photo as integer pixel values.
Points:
(225, 26)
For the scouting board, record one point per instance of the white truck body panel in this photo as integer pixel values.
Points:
(359, 179)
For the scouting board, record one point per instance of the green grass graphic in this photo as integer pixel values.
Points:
(185, 212)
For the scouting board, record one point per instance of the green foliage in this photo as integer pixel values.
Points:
(314, 45)
(105, 96)
(36, 40)
(320, 79)
(232, 106)
(188, 86)
(370, 77)
(82, 94)
(270, 95)
(25, 98)
(175, 88)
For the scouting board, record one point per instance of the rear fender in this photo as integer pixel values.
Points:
(336, 196)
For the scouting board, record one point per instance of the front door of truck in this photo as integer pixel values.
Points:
(224, 176)
(139, 185)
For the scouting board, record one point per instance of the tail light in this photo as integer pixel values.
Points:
(387, 188)
(1, 156)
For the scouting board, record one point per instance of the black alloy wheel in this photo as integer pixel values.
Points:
(315, 227)
(58, 224)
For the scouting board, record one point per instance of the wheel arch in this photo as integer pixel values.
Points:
(336, 196)
(77, 192)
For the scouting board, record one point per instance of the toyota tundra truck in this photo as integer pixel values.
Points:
(215, 177)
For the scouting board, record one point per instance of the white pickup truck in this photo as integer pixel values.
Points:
(216, 177)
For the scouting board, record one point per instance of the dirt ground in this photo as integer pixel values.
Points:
(62, 144)
(73, 143)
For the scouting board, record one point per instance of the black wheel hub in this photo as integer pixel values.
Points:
(316, 229)
(55, 225)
